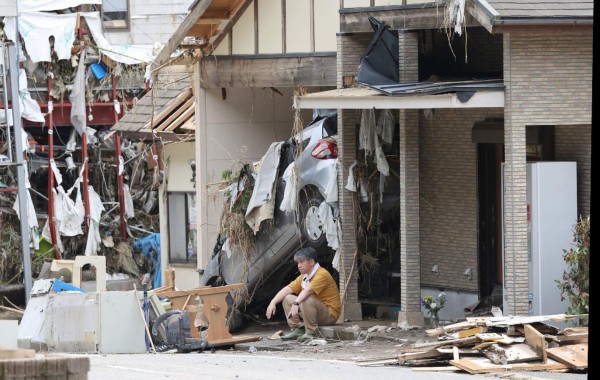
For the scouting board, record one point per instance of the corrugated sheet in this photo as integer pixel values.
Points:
(432, 88)
(543, 8)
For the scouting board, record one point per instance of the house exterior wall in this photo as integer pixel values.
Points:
(237, 130)
(449, 202)
(560, 97)
(288, 27)
(8, 8)
(151, 21)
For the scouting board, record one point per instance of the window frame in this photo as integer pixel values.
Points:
(127, 26)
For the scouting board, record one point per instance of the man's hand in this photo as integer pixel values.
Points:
(294, 311)
(271, 310)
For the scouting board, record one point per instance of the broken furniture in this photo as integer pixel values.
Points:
(75, 267)
(214, 307)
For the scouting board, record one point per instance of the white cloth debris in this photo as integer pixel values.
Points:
(96, 208)
(290, 193)
(367, 134)
(352, 185)
(31, 215)
(129, 210)
(53, 5)
(36, 28)
(326, 214)
(68, 216)
(128, 54)
(456, 13)
(382, 164)
(77, 98)
(385, 126)
(30, 109)
(56, 172)
(331, 191)
(335, 263)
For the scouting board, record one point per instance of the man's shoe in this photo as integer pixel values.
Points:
(307, 337)
(294, 334)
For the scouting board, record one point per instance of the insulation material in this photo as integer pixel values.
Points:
(264, 188)
(37, 27)
(128, 54)
(53, 5)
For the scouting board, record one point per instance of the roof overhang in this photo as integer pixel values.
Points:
(363, 98)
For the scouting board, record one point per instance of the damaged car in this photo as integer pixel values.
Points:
(257, 249)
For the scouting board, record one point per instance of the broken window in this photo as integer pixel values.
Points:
(115, 14)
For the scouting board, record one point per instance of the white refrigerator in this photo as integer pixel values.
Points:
(551, 217)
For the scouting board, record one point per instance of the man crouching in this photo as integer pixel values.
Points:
(317, 302)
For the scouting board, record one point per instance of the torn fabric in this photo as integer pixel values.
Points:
(367, 135)
(77, 98)
(128, 54)
(129, 210)
(31, 215)
(37, 27)
(288, 203)
(331, 191)
(96, 208)
(385, 126)
(30, 109)
(354, 186)
(326, 214)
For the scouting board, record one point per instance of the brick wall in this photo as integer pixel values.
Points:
(350, 50)
(548, 81)
(573, 143)
(448, 203)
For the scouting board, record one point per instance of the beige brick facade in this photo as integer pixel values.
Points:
(548, 79)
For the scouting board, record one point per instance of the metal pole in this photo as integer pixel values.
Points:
(23, 212)
(50, 171)
(3, 61)
(122, 220)
(86, 194)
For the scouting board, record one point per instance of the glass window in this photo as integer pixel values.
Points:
(182, 227)
(115, 14)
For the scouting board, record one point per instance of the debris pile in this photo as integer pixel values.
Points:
(482, 345)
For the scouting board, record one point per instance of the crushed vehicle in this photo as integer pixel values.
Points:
(305, 213)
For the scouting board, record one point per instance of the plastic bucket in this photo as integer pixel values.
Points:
(98, 70)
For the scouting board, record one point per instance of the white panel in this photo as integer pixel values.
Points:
(356, 3)
(417, 1)
(121, 325)
(389, 2)
(327, 24)
(8, 331)
(269, 26)
(186, 277)
(223, 47)
(297, 32)
(180, 171)
(243, 33)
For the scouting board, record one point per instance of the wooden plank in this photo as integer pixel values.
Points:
(450, 328)
(158, 118)
(165, 124)
(536, 341)
(429, 354)
(481, 365)
(452, 342)
(471, 332)
(455, 354)
(510, 320)
(478, 320)
(575, 356)
(367, 363)
(317, 70)
(182, 119)
(16, 353)
(515, 353)
(235, 16)
(189, 125)
(573, 338)
(436, 369)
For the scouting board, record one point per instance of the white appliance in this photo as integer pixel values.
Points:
(551, 216)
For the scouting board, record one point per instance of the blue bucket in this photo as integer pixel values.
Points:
(98, 70)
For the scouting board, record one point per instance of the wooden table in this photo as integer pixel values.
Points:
(214, 307)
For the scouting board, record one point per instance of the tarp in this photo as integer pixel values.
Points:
(52, 5)
(380, 62)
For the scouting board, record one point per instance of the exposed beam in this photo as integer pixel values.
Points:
(482, 14)
(361, 98)
(217, 72)
(181, 32)
(235, 16)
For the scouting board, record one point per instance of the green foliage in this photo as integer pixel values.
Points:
(575, 284)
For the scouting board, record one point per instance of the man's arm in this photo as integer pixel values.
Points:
(277, 299)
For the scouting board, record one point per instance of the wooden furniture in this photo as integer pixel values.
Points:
(214, 307)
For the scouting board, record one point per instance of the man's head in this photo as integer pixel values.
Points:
(306, 258)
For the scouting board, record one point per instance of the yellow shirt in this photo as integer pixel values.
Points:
(324, 288)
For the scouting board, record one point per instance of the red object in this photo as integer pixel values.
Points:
(325, 150)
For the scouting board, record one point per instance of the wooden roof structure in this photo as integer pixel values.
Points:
(165, 112)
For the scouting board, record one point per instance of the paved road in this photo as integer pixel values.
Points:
(264, 366)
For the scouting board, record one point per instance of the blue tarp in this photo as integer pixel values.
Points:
(150, 247)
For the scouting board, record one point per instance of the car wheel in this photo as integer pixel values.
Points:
(312, 228)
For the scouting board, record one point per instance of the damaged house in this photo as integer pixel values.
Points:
(83, 67)
(487, 98)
